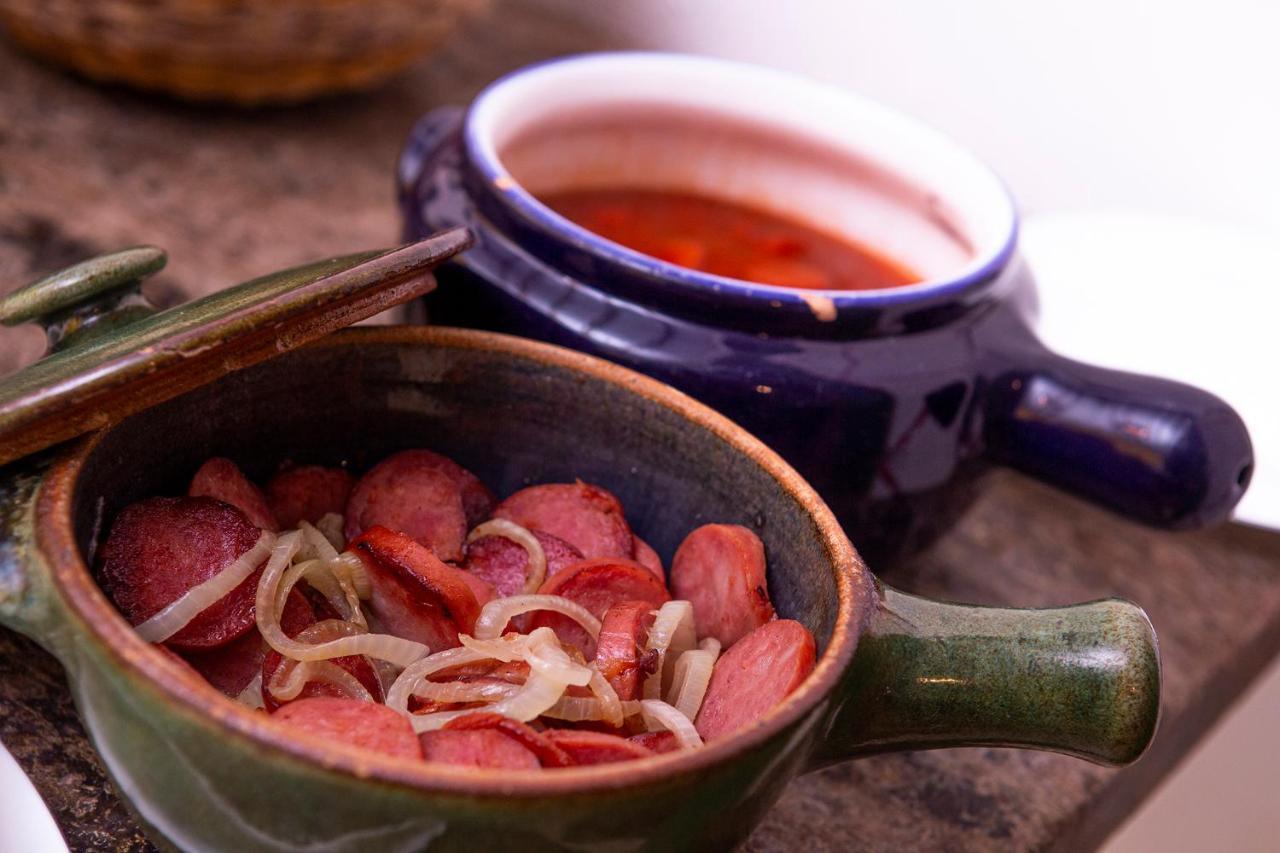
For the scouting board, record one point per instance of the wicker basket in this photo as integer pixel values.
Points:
(243, 51)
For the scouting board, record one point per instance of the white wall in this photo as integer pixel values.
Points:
(1171, 107)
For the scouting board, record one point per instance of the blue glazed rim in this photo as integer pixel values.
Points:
(613, 267)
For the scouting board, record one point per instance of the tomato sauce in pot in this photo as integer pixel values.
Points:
(729, 239)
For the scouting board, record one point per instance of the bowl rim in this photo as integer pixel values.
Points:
(484, 113)
(185, 690)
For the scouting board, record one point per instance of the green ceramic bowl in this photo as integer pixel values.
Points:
(895, 671)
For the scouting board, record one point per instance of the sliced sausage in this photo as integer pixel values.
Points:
(350, 721)
(586, 516)
(223, 480)
(298, 615)
(548, 754)
(159, 548)
(480, 673)
(308, 493)
(504, 563)
(358, 665)
(719, 569)
(480, 588)
(620, 655)
(412, 496)
(647, 557)
(477, 748)
(657, 742)
(230, 668)
(416, 596)
(418, 705)
(477, 500)
(597, 585)
(755, 674)
(511, 672)
(584, 747)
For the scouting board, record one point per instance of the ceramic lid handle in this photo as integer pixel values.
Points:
(1084, 680)
(84, 300)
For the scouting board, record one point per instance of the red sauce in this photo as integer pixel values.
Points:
(729, 239)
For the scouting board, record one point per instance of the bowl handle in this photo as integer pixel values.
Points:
(430, 140)
(1083, 680)
(1161, 452)
(23, 584)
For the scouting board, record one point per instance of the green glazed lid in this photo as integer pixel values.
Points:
(111, 354)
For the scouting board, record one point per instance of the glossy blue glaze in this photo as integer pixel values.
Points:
(893, 409)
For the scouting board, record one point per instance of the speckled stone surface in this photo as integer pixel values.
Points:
(232, 194)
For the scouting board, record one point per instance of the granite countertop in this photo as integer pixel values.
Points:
(232, 194)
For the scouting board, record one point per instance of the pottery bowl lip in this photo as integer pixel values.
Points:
(184, 690)
(784, 100)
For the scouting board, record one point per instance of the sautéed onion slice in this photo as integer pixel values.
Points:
(672, 635)
(356, 642)
(178, 614)
(495, 615)
(536, 571)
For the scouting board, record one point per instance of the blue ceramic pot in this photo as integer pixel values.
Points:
(893, 402)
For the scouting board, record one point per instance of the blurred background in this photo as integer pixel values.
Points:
(1169, 107)
(1140, 139)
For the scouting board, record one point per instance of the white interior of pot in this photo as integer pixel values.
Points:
(820, 156)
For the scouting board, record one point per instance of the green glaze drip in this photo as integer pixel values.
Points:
(1084, 680)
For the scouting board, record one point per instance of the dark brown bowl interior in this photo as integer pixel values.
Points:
(516, 413)
(513, 423)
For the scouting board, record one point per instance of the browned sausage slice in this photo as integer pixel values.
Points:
(480, 588)
(223, 480)
(478, 748)
(230, 668)
(350, 721)
(585, 747)
(308, 493)
(477, 500)
(586, 516)
(480, 672)
(504, 564)
(719, 568)
(411, 494)
(597, 585)
(548, 754)
(657, 742)
(159, 548)
(509, 672)
(416, 596)
(647, 557)
(755, 674)
(620, 655)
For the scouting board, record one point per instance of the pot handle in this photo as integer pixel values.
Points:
(23, 588)
(1082, 680)
(1161, 452)
(428, 141)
